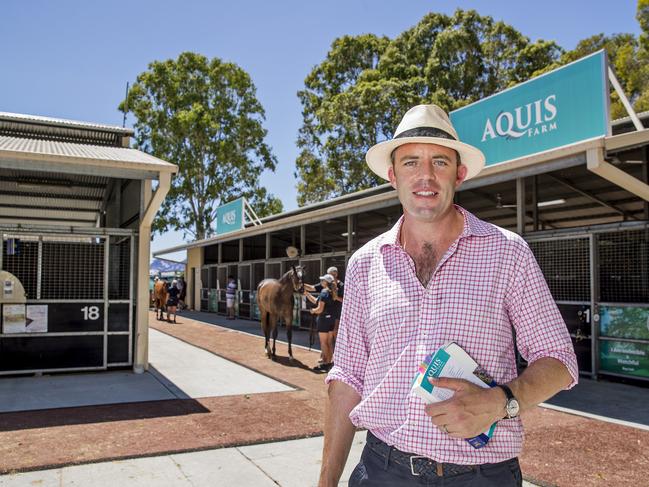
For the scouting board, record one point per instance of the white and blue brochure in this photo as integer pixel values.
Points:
(451, 361)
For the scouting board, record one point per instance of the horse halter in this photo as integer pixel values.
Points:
(298, 275)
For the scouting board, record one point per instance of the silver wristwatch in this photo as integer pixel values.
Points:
(512, 407)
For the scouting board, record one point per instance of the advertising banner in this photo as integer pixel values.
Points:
(624, 322)
(229, 217)
(562, 107)
(627, 358)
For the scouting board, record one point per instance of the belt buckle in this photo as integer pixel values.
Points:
(412, 465)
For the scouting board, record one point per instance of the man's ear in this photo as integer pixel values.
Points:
(461, 175)
(392, 177)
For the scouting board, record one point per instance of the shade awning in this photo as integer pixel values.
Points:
(69, 157)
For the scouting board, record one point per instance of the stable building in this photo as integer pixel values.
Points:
(576, 191)
(76, 206)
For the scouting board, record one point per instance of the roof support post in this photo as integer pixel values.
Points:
(520, 206)
(625, 101)
(321, 236)
(350, 233)
(535, 203)
(152, 202)
(596, 163)
(645, 178)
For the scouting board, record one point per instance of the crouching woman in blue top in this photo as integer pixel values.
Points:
(326, 313)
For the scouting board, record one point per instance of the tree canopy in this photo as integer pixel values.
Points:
(357, 95)
(628, 55)
(203, 115)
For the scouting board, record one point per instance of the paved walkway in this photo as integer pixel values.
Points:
(190, 372)
(293, 463)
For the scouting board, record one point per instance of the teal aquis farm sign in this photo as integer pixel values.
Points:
(559, 108)
(229, 217)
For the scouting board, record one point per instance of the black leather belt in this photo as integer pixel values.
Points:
(418, 465)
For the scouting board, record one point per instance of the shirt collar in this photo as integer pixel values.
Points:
(473, 226)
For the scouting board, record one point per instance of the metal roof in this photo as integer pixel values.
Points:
(625, 120)
(39, 154)
(63, 172)
(30, 197)
(60, 122)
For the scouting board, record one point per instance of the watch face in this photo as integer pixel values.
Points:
(512, 408)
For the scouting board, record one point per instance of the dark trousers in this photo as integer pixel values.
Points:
(383, 466)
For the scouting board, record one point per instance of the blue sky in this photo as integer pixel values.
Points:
(72, 59)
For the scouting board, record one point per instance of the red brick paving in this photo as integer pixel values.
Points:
(560, 449)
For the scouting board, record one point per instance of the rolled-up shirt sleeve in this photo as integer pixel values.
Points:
(352, 348)
(540, 328)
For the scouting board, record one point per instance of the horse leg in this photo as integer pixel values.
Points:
(289, 334)
(265, 324)
(275, 327)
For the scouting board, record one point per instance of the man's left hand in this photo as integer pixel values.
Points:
(471, 410)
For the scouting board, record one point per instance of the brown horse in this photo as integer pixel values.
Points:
(275, 300)
(160, 296)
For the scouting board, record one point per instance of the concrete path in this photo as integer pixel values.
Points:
(293, 463)
(82, 389)
(190, 372)
(613, 401)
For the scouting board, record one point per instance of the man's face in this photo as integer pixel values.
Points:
(335, 274)
(426, 177)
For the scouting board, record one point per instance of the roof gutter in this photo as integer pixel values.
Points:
(141, 362)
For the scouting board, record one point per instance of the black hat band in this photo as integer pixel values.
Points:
(425, 132)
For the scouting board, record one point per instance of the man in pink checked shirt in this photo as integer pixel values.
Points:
(439, 275)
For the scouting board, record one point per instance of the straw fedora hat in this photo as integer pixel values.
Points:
(427, 124)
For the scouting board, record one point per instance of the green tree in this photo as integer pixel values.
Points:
(642, 15)
(357, 95)
(627, 54)
(641, 81)
(203, 115)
